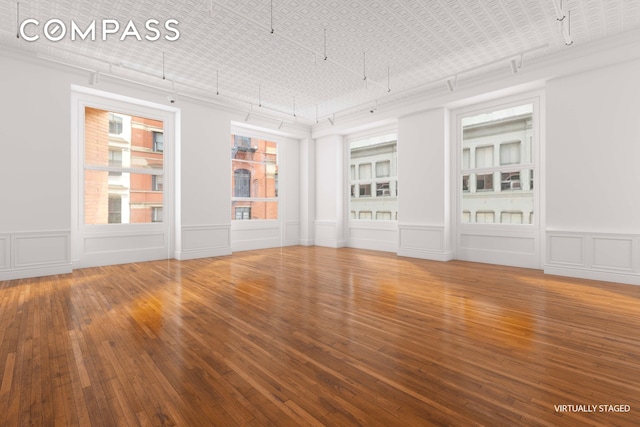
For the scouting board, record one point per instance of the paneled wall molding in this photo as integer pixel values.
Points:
(202, 241)
(593, 255)
(259, 234)
(291, 233)
(423, 241)
(374, 235)
(326, 234)
(34, 254)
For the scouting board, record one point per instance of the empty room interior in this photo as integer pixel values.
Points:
(281, 212)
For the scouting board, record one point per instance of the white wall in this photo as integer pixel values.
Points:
(204, 227)
(307, 170)
(330, 222)
(593, 164)
(35, 164)
(35, 202)
(423, 180)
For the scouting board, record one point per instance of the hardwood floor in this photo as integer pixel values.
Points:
(317, 336)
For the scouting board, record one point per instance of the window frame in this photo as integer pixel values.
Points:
(356, 187)
(533, 165)
(242, 137)
(120, 105)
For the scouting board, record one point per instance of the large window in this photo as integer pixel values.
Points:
(123, 169)
(373, 178)
(496, 168)
(254, 186)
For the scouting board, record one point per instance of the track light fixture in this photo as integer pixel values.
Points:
(281, 124)
(94, 78)
(565, 21)
(17, 19)
(516, 64)
(452, 83)
(332, 119)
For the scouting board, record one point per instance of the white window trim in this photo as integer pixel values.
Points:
(535, 231)
(534, 98)
(82, 97)
(237, 129)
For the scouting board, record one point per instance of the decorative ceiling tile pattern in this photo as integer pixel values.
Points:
(402, 45)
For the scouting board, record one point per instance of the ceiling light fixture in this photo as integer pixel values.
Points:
(565, 25)
(325, 44)
(272, 17)
(281, 124)
(516, 64)
(94, 78)
(364, 65)
(388, 78)
(17, 19)
(332, 119)
(452, 82)
(163, 75)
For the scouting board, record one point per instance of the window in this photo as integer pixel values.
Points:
(254, 165)
(364, 215)
(365, 171)
(243, 212)
(365, 190)
(383, 216)
(156, 182)
(511, 217)
(485, 217)
(383, 169)
(115, 210)
(123, 177)
(510, 153)
(382, 189)
(497, 145)
(484, 182)
(156, 214)
(373, 173)
(241, 180)
(484, 157)
(158, 142)
(115, 124)
(510, 181)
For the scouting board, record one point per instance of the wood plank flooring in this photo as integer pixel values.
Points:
(317, 336)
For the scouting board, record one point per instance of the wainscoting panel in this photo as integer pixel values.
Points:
(566, 250)
(374, 235)
(5, 260)
(250, 235)
(326, 234)
(611, 253)
(127, 242)
(422, 241)
(291, 233)
(203, 241)
(598, 256)
(517, 247)
(33, 254)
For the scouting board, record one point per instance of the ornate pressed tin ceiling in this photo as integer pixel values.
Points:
(227, 46)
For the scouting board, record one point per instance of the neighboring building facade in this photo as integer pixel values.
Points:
(124, 168)
(374, 180)
(497, 170)
(254, 178)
